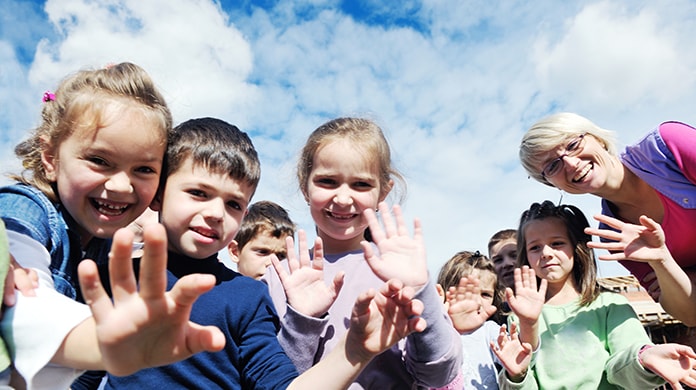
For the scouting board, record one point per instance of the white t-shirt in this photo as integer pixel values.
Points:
(36, 326)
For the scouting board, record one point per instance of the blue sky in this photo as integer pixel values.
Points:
(454, 84)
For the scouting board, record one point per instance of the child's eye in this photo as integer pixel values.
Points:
(558, 243)
(533, 248)
(234, 205)
(487, 295)
(97, 161)
(363, 185)
(146, 170)
(197, 193)
(497, 259)
(326, 182)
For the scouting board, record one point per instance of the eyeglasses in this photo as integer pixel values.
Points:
(574, 147)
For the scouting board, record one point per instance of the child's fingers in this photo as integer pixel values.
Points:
(190, 287)
(391, 287)
(204, 338)
(282, 273)
(375, 228)
(153, 275)
(362, 303)
(318, 259)
(304, 249)
(368, 251)
(338, 282)
(388, 219)
(417, 230)
(92, 290)
(401, 228)
(121, 265)
(291, 255)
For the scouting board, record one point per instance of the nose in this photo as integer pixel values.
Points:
(214, 209)
(343, 196)
(571, 162)
(546, 252)
(119, 182)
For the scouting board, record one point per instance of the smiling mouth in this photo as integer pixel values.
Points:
(583, 173)
(109, 208)
(206, 233)
(341, 217)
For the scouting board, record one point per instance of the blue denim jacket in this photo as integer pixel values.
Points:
(26, 210)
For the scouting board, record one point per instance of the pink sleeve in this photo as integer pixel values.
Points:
(680, 138)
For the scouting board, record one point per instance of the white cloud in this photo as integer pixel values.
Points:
(197, 57)
(611, 54)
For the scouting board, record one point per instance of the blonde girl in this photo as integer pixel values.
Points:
(345, 173)
(90, 168)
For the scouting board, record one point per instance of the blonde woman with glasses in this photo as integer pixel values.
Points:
(648, 192)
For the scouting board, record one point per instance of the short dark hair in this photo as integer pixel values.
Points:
(264, 216)
(215, 145)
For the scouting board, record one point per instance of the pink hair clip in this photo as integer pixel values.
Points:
(48, 96)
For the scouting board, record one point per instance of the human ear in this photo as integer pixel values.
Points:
(386, 190)
(233, 250)
(49, 160)
(156, 204)
(440, 291)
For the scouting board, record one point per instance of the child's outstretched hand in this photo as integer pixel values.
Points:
(526, 301)
(644, 242)
(145, 326)
(304, 284)
(675, 363)
(465, 306)
(514, 355)
(381, 318)
(400, 255)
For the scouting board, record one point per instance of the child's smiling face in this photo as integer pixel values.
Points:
(342, 184)
(106, 177)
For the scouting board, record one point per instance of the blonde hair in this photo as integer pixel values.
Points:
(555, 130)
(79, 104)
(366, 137)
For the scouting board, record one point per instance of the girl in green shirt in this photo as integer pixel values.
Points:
(581, 337)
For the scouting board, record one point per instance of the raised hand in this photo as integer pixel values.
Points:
(145, 326)
(303, 283)
(526, 301)
(514, 355)
(381, 318)
(675, 363)
(465, 305)
(644, 242)
(400, 255)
